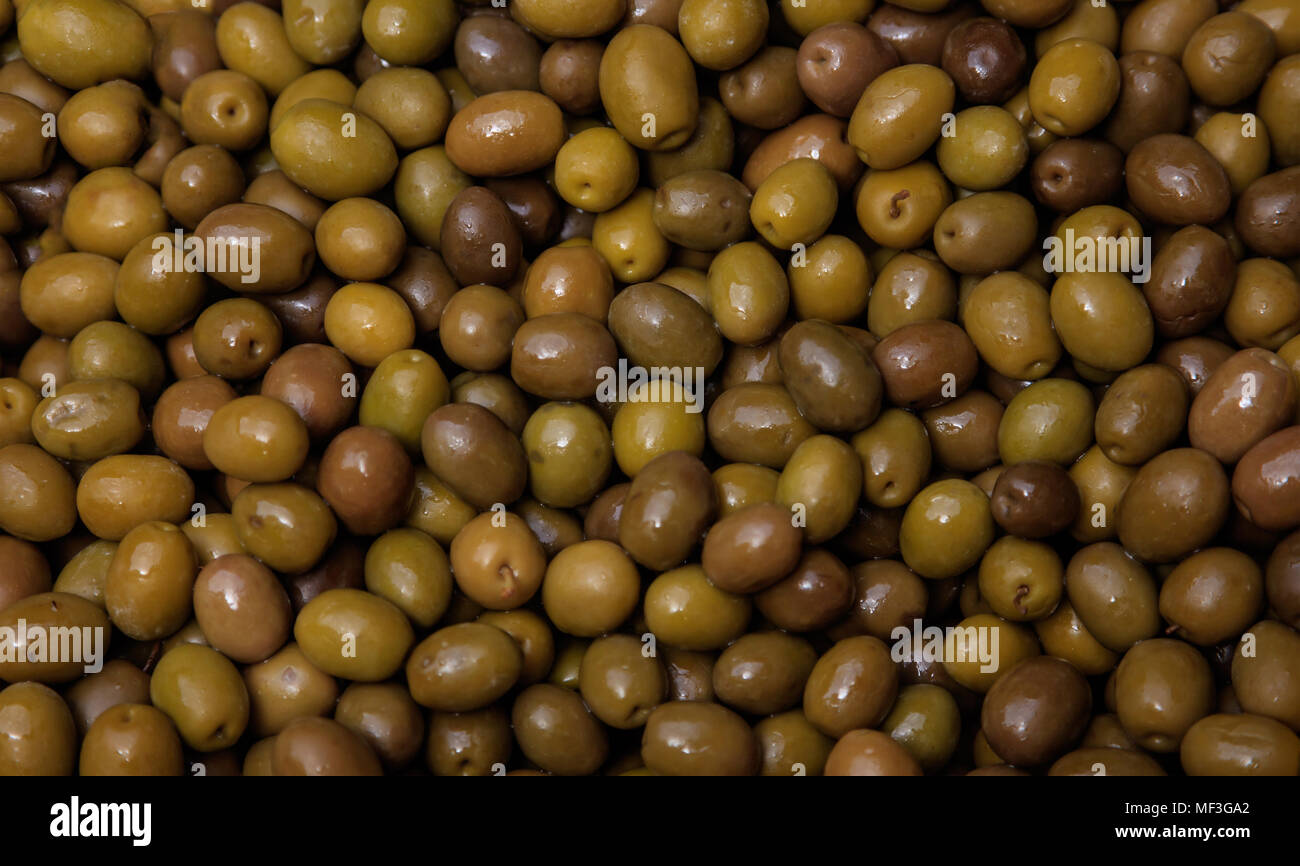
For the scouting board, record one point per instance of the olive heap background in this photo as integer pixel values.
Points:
(363, 512)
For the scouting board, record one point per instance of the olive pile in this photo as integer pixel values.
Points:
(639, 387)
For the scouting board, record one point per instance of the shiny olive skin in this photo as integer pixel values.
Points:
(685, 611)
(1265, 480)
(119, 682)
(896, 458)
(1251, 395)
(556, 731)
(287, 526)
(1176, 181)
(658, 326)
(313, 127)
(497, 561)
(963, 232)
(353, 634)
(1212, 596)
(26, 570)
(1073, 173)
(787, 741)
(644, 70)
(47, 611)
(590, 588)
(1007, 316)
(1141, 414)
(203, 694)
(757, 423)
(497, 472)
(837, 61)
(946, 529)
(1020, 580)
(322, 747)
(1280, 579)
(1036, 711)
(463, 667)
(40, 738)
(366, 477)
(566, 420)
(1153, 99)
(818, 592)
(851, 686)
(385, 717)
(986, 60)
(865, 752)
(1174, 504)
(285, 687)
(620, 684)
(1064, 635)
(1190, 281)
(833, 383)
(561, 356)
(1239, 745)
(1113, 594)
(697, 738)
(131, 740)
(914, 98)
(534, 637)
(667, 509)
(1162, 687)
(1227, 57)
(570, 453)
(926, 363)
(763, 672)
(819, 136)
(1049, 420)
(703, 209)
(1111, 761)
(820, 485)
(1073, 86)
(149, 586)
(888, 595)
(242, 609)
(89, 420)
(468, 744)
(1265, 218)
(752, 548)
(1034, 499)
(256, 438)
(1264, 682)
